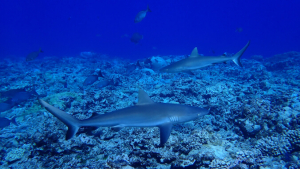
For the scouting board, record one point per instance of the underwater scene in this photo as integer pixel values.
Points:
(149, 84)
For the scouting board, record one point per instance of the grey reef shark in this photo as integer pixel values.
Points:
(145, 113)
(196, 61)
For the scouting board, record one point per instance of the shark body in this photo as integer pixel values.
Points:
(195, 61)
(145, 114)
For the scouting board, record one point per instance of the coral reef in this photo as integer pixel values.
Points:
(253, 120)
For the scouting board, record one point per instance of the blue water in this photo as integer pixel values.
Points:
(66, 28)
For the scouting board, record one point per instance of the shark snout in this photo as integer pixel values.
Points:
(203, 112)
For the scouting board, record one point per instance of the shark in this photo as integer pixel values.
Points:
(196, 61)
(145, 113)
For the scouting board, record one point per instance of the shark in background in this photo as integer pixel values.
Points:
(92, 79)
(195, 61)
(4, 122)
(145, 113)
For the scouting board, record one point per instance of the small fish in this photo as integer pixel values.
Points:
(139, 64)
(136, 37)
(65, 84)
(31, 56)
(239, 29)
(125, 36)
(22, 96)
(87, 54)
(130, 68)
(225, 54)
(148, 61)
(141, 15)
(4, 107)
(105, 83)
(92, 79)
(11, 93)
(4, 122)
(3, 66)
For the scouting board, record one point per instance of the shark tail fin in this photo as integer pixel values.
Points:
(148, 9)
(72, 123)
(237, 56)
(13, 120)
(100, 74)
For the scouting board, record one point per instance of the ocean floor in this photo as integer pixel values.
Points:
(253, 121)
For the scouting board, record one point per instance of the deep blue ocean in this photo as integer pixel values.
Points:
(66, 28)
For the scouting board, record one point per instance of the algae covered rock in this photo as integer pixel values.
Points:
(63, 100)
(157, 63)
(15, 154)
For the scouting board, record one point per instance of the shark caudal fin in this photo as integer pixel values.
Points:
(148, 9)
(72, 123)
(13, 120)
(237, 56)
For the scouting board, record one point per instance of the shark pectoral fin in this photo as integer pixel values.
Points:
(144, 98)
(94, 114)
(189, 72)
(72, 130)
(165, 131)
(194, 53)
(117, 128)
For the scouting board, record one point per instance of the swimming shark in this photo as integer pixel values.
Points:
(145, 113)
(196, 61)
(92, 79)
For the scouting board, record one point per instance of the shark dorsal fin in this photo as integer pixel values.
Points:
(194, 53)
(144, 98)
